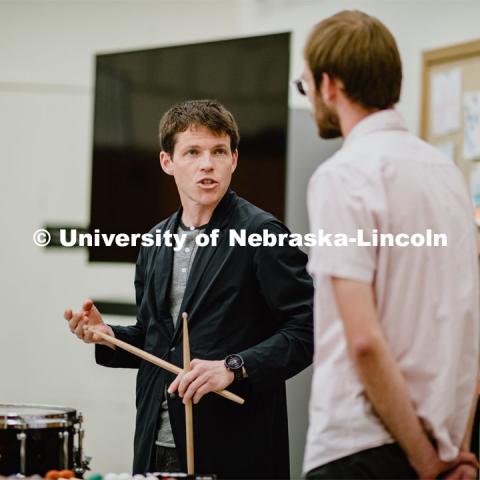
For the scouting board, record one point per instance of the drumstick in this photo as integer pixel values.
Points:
(188, 405)
(156, 361)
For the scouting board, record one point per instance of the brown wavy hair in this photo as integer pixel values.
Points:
(361, 52)
(206, 113)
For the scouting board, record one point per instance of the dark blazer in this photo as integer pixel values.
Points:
(256, 302)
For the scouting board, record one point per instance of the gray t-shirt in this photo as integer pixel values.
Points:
(182, 263)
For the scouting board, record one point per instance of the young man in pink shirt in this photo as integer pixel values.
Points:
(396, 343)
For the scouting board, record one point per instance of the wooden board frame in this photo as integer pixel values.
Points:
(441, 56)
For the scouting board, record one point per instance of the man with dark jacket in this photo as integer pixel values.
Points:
(249, 310)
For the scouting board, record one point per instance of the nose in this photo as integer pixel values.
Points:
(206, 162)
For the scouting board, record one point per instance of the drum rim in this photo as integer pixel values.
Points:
(66, 417)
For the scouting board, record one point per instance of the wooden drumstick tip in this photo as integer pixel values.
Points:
(186, 343)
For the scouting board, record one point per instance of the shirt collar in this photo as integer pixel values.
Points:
(375, 122)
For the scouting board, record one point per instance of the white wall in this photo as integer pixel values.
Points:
(46, 86)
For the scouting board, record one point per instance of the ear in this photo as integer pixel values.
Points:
(234, 160)
(328, 89)
(166, 163)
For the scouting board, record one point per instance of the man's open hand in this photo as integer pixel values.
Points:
(88, 316)
(206, 376)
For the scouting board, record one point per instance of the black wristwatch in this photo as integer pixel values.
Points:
(234, 363)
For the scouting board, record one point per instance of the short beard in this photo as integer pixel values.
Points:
(327, 120)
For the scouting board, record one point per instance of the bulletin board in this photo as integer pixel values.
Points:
(450, 113)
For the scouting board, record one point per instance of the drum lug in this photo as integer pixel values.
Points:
(85, 465)
(81, 463)
(81, 433)
(64, 435)
(22, 438)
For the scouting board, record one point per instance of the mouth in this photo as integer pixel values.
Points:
(207, 183)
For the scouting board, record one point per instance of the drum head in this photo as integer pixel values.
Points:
(23, 416)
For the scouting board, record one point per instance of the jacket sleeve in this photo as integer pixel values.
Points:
(134, 334)
(288, 291)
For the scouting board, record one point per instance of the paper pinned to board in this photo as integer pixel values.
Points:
(446, 101)
(475, 184)
(475, 190)
(448, 149)
(471, 127)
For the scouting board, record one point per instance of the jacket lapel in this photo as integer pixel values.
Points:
(204, 256)
(163, 276)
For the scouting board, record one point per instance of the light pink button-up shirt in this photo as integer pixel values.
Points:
(387, 179)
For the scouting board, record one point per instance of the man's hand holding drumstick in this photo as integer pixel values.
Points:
(204, 377)
(88, 316)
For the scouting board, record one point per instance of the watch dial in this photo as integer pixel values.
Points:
(234, 362)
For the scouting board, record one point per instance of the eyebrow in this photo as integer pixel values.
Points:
(218, 145)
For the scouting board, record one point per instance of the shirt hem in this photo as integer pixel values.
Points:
(312, 465)
(163, 444)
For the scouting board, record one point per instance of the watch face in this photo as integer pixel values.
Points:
(234, 362)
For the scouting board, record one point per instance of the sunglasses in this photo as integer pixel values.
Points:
(301, 86)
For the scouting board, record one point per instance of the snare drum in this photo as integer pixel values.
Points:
(38, 438)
